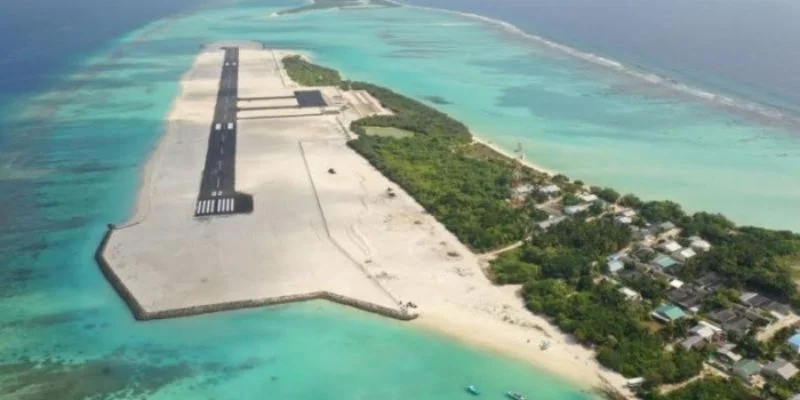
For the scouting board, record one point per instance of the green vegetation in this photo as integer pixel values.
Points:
(466, 186)
(387, 132)
(608, 194)
(707, 389)
(308, 74)
(412, 115)
(558, 269)
(750, 258)
(466, 194)
(630, 200)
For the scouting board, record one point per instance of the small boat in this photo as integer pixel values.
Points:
(473, 390)
(515, 396)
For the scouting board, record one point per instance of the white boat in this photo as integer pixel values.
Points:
(515, 396)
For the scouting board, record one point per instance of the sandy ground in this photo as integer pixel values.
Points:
(419, 261)
(170, 260)
(340, 231)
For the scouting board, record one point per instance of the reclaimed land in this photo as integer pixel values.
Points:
(561, 270)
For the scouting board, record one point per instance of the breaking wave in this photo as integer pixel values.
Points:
(760, 111)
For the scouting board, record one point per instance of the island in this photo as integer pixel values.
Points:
(278, 180)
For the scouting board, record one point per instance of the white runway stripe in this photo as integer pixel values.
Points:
(197, 209)
(206, 207)
(230, 204)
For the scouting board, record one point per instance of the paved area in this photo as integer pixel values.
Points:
(168, 259)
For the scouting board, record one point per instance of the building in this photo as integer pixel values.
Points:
(615, 266)
(734, 320)
(755, 300)
(668, 313)
(746, 369)
(627, 212)
(549, 189)
(643, 235)
(688, 297)
(676, 283)
(670, 246)
(576, 209)
(522, 190)
(693, 342)
(621, 219)
(587, 197)
(726, 355)
(668, 229)
(699, 244)
(794, 342)
(630, 294)
(795, 397)
(710, 282)
(550, 222)
(664, 262)
(683, 255)
(707, 331)
(780, 369)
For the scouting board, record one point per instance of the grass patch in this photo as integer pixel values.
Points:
(391, 132)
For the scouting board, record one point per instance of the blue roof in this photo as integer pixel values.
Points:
(665, 261)
(794, 341)
(670, 312)
(615, 265)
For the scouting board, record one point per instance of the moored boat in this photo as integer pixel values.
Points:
(515, 396)
(472, 389)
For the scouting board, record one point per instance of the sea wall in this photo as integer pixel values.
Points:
(141, 314)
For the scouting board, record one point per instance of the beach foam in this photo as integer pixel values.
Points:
(760, 111)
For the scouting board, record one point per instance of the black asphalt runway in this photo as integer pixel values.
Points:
(305, 99)
(309, 98)
(217, 186)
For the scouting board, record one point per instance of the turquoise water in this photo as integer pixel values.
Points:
(73, 164)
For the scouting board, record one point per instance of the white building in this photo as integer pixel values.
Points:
(522, 190)
(683, 255)
(670, 246)
(699, 244)
(550, 222)
(572, 210)
(621, 219)
(587, 197)
(630, 294)
(549, 189)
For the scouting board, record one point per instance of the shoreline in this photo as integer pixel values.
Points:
(457, 300)
(505, 153)
(766, 113)
(531, 356)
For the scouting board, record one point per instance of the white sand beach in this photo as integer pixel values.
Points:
(312, 229)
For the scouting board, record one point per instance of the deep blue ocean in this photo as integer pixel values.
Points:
(746, 48)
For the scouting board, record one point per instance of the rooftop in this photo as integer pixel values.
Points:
(552, 188)
(794, 341)
(670, 246)
(615, 266)
(781, 368)
(664, 261)
(669, 312)
(746, 368)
